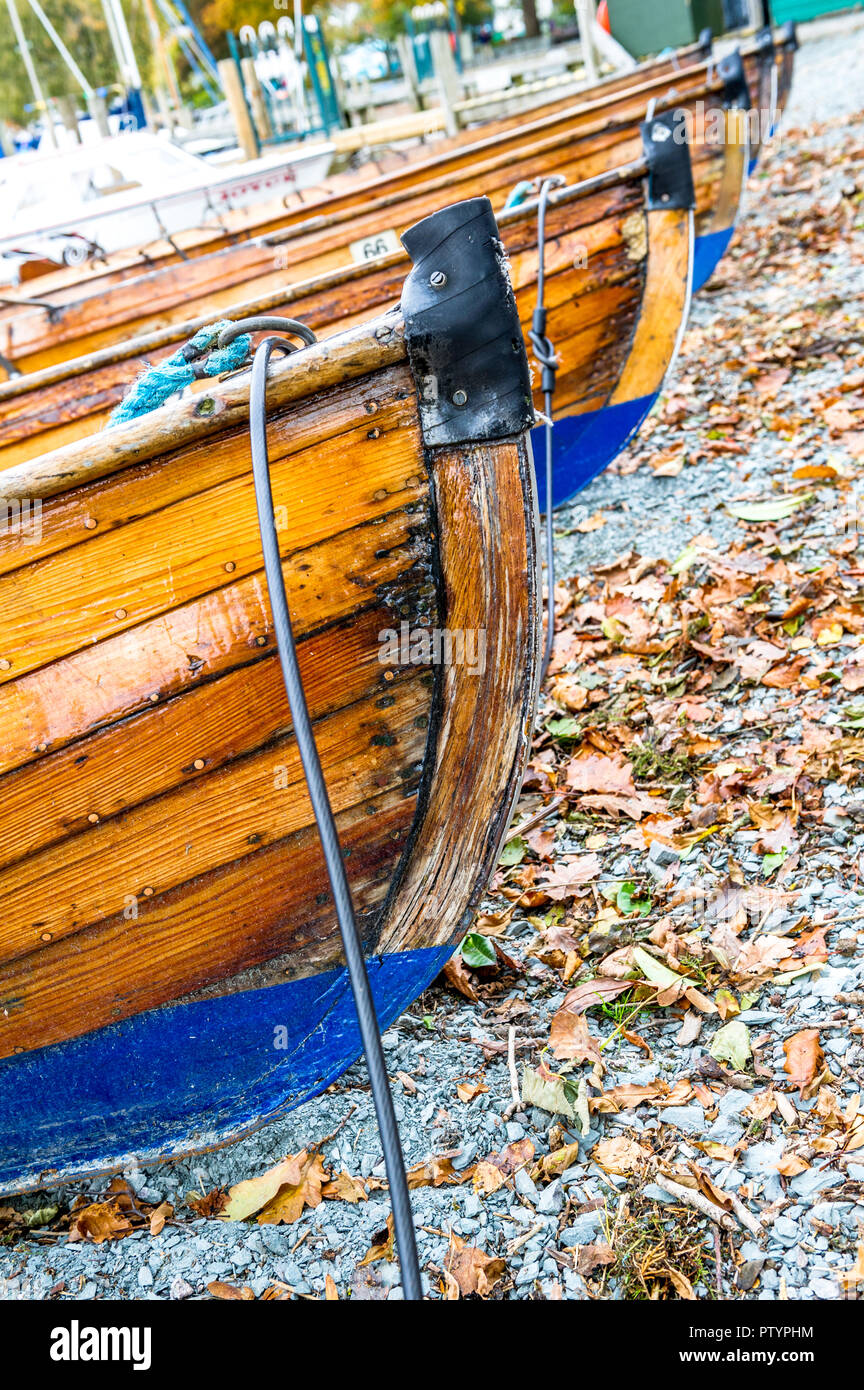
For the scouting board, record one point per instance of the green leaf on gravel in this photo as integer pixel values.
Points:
(627, 900)
(773, 510)
(689, 555)
(652, 969)
(731, 1044)
(771, 862)
(477, 950)
(513, 852)
(565, 727)
(547, 1093)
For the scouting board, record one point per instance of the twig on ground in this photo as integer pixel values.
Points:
(691, 1198)
(517, 1101)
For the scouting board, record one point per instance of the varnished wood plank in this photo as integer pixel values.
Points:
(96, 778)
(495, 507)
(664, 308)
(198, 827)
(256, 909)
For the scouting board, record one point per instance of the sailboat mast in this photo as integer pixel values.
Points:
(24, 50)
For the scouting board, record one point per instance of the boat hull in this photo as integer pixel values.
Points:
(168, 940)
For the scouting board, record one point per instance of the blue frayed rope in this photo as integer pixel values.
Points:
(157, 384)
(519, 195)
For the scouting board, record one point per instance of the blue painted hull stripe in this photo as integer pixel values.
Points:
(709, 251)
(584, 445)
(190, 1076)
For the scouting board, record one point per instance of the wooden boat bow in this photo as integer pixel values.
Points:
(164, 903)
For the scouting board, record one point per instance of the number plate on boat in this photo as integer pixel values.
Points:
(371, 247)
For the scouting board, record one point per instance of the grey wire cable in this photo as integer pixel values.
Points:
(403, 1218)
(544, 353)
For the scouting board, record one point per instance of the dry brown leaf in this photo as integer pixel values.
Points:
(804, 1058)
(98, 1222)
(230, 1291)
(487, 1178)
(621, 1155)
(294, 1196)
(344, 1188)
(592, 992)
(457, 977)
(207, 1204)
(436, 1171)
(855, 1276)
(791, 1166)
(331, 1294)
(593, 772)
(472, 1270)
(627, 1097)
(470, 1090)
(383, 1245)
(591, 1257)
(682, 1284)
(159, 1217)
(570, 1039)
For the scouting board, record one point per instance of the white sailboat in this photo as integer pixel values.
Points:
(73, 205)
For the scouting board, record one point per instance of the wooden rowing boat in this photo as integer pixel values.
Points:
(239, 226)
(169, 962)
(618, 263)
(576, 145)
(577, 142)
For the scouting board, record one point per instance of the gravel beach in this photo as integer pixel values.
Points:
(701, 743)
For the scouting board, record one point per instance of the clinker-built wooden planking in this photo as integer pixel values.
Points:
(156, 838)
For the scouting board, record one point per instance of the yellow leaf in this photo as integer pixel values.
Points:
(288, 1204)
(487, 1179)
(249, 1196)
(383, 1244)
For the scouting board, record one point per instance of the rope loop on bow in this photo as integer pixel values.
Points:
(217, 348)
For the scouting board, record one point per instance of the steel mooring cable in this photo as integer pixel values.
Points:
(403, 1219)
(545, 355)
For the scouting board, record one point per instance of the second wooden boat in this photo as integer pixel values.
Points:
(617, 257)
(169, 963)
(577, 144)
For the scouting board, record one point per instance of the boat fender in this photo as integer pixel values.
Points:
(736, 91)
(670, 175)
(705, 41)
(462, 330)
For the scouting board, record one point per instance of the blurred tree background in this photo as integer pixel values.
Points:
(354, 20)
(81, 25)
